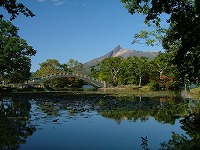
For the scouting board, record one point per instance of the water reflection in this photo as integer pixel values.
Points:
(191, 124)
(22, 115)
(14, 123)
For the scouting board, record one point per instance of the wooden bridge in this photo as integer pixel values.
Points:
(89, 80)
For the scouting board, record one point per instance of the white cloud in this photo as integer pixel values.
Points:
(41, 1)
(55, 2)
(58, 2)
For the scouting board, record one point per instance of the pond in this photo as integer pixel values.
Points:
(97, 121)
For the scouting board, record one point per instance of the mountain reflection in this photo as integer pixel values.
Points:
(16, 127)
(165, 110)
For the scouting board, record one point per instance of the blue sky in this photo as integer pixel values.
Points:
(78, 29)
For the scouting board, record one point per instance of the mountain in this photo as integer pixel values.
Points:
(118, 51)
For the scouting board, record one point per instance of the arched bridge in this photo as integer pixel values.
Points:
(90, 80)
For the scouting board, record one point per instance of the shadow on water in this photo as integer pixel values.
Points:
(16, 119)
(14, 123)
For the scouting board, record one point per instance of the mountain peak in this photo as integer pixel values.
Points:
(114, 51)
(117, 48)
(118, 51)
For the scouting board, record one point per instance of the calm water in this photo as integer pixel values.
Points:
(61, 121)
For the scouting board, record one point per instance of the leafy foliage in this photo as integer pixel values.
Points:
(15, 54)
(52, 66)
(74, 66)
(14, 9)
(182, 37)
(138, 71)
(150, 37)
(110, 69)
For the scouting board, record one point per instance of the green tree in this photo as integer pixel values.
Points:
(162, 70)
(134, 71)
(110, 69)
(184, 20)
(152, 36)
(94, 72)
(51, 66)
(15, 54)
(142, 69)
(123, 71)
(74, 66)
(64, 67)
(127, 73)
(14, 9)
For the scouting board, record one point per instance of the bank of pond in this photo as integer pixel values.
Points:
(117, 91)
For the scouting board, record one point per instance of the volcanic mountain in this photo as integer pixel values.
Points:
(118, 51)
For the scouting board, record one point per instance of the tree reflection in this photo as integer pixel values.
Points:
(143, 109)
(191, 124)
(181, 142)
(166, 110)
(14, 125)
(163, 109)
(144, 144)
(49, 107)
(73, 104)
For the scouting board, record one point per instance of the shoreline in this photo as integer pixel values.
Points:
(125, 91)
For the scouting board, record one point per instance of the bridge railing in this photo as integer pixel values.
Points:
(78, 75)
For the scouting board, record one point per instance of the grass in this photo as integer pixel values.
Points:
(132, 90)
(122, 91)
(195, 93)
